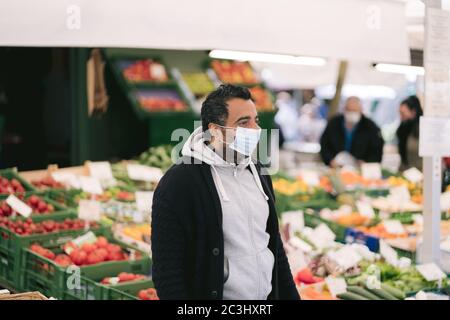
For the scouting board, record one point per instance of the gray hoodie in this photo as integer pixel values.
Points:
(248, 260)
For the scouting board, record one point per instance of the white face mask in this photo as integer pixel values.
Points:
(352, 117)
(245, 140)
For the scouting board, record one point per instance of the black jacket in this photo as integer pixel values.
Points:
(367, 144)
(187, 237)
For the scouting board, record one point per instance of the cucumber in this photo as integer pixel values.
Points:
(362, 292)
(351, 296)
(393, 291)
(382, 294)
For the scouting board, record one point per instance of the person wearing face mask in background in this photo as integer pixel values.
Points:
(351, 138)
(215, 231)
(408, 133)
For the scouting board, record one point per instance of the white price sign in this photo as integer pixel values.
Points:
(66, 178)
(89, 210)
(389, 254)
(371, 171)
(91, 185)
(19, 206)
(295, 221)
(400, 194)
(346, 257)
(310, 177)
(336, 285)
(144, 200)
(365, 209)
(413, 175)
(144, 173)
(393, 226)
(431, 272)
(101, 170)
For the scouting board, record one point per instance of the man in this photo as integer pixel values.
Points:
(351, 134)
(214, 227)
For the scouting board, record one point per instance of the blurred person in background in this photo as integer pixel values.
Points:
(351, 138)
(286, 117)
(408, 133)
(310, 126)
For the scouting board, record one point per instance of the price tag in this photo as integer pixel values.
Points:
(89, 210)
(389, 254)
(294, 220)
(393, 226)
(431, 272)
(89, 237)
(19, 206)
(297, 260)
(346, 257)
(144, 173)
(321, 236)
(144, 200)
(413, 175)
(300, 244)
(101, 170)
(404, 263)
(336, 285)
(66, 178)
(91, 185)
(311, 178)
(365, 209)
(324, 232)
(371, 171)
(400, 194)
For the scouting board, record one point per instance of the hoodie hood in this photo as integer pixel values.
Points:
(196, 148)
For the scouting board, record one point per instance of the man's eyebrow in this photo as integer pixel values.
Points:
(243, 118)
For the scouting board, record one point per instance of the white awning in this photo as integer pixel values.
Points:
(351, 29)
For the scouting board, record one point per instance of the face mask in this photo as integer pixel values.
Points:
(245, 140)
(352, 117)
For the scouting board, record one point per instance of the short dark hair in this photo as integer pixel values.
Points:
(215, 108)
(413, 104)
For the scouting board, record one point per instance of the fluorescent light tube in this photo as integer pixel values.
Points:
(400, 68)
(267, 57)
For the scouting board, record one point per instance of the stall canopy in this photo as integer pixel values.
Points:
(351, 29)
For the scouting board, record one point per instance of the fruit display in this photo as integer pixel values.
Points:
(380, 231)
(8, 186)
(155, 104)
(139, 232)
(345, 216)
(234, 72)
(144, 70)
(123, 277)
(318, 291)
(86, 254)
(262, 98)
(148, 294)
(306, 276)
(352, 179)
(159, 157)
(113, 193)
(37, 204)
(28, 227)
(47, 183)
(198, 82)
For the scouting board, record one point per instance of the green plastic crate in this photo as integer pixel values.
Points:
(11, 246)
(41, 274)
(126, 291)
(13, 173)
